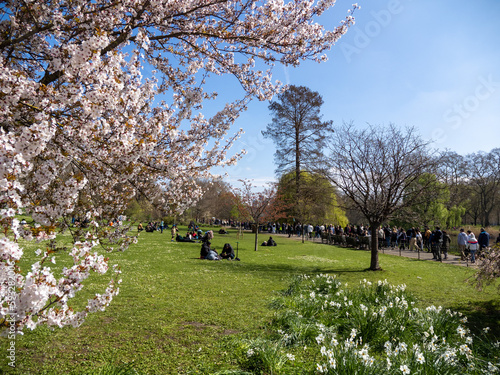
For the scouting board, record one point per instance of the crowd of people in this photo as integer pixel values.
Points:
(152, 226)
(435, 241)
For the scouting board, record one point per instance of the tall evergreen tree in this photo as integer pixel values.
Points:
(298, 131)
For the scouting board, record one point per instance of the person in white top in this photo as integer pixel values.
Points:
(473, 246)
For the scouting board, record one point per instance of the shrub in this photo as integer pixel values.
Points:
(324, 326)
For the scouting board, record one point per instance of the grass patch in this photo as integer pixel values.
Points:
(177, 314)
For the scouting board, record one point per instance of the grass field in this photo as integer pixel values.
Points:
(177, 314)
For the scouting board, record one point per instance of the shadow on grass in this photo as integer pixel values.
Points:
(282, 269)
(482, 314)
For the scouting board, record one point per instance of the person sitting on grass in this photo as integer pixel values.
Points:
(227, 252)
(208, 236)
(191, 235)
(222, 231)
(208, 253)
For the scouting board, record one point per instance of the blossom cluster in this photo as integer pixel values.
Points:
(101, 101)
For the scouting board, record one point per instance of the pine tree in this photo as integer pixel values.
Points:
(298, 131)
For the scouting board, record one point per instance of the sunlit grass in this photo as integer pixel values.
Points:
(178, 314)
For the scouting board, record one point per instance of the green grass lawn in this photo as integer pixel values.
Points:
(177, 314)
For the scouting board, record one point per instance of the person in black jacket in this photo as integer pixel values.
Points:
(483, 239)
(205, 249)
(227, 252)
(271, 242)
(445, 245)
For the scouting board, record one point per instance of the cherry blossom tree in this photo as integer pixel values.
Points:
(103, 100)
(488, 269)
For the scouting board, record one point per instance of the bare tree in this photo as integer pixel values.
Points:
(216, 201)
(378, 169)
(483, 174)
(452, 171)
(256, 204)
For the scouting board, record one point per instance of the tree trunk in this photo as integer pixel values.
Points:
(487, 217)
(374, 266)
(297, 161)
(257, 237)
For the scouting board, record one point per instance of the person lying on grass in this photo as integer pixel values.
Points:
(269, 242)
(179, 238)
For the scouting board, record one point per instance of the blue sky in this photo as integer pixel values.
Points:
(432, 64)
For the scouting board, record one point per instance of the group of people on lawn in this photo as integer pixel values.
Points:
(209, 253)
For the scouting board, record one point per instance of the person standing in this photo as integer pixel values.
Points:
(483, 239)
(445, 244)
(427, 239)
(473, 246)
(436, 242)
(402, 239)
(387, 235)
(462, 243)
(381, 238)
(412, 238)
(419, 241)
(174, 231)
(394, 238)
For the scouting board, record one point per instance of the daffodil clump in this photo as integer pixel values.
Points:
(324, 326)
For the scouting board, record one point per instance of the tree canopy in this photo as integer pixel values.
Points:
(103, 100)
(315, 203)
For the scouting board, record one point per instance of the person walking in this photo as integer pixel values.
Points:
(402, 239)
(419, 241)
(445, 245)
(381, 238)
(473, 246)
(483, 239)
(412, 239)
(462, 243)
(436, 242)
(427, 239)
